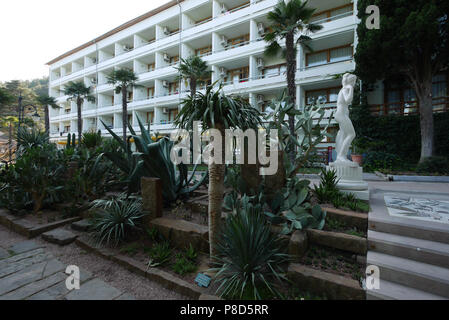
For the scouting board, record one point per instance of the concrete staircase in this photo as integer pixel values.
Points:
(413, 261)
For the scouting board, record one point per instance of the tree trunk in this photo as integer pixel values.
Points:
(423, 89)
(193, 83)
(291, 83)
(47, 120)
(216, 193)
(79, 105)
(125, 113)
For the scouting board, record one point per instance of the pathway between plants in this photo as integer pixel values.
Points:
(34, 270)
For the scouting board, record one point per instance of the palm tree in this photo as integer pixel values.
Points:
(45, 101)
(215, 110)
(123, 79)
(287, 20)
(193, 69)
(78, 92)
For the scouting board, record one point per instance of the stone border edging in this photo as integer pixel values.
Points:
(334, 286)
(28, 229)
(338, 240)
(164, 278)
(351, 218)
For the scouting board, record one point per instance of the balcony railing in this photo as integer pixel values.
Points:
(406, 108)
(336, 17)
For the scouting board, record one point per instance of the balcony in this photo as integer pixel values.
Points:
(408, 108)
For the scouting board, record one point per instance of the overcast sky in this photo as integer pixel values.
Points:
(32, 32)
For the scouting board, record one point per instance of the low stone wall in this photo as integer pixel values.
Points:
(339, 241)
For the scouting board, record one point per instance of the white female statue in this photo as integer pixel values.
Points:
(346, 134)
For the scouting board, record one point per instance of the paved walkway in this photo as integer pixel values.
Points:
(29, 272)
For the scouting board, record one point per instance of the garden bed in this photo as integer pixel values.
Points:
(31, 225)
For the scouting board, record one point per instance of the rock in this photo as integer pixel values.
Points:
(298, 244)
(181, 233)
(324, 283)
(338, 240)
(59, 236)
(94, 290)
(152, 197)
(25, 246)
(82, 225)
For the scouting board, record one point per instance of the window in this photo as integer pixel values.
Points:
(173, 88)
(174, 60)
(150, 117)
(332, 14)
(150, 93)
(130, 119)
(151, 67)
(203, 51)
(322, 96)
(329, 56)
(130, 96)
(239, 41)
(274, 71)
(173, 113)
(238, 75)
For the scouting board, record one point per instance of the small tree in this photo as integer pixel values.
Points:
(78, 92)
(124, 80)
(45, 101)
(193, 69)
(215, 110)
(287, 20)
(5, 97)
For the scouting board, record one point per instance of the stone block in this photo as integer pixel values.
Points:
(298, 244)
(152, 197)
(82, 225)
(59, 236)
(338, 240)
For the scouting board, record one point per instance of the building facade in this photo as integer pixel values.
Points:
(228, 35)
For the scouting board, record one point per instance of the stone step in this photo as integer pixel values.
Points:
(59, 236)
(82, 225)
(417, 275)
(403, 228)
(394, 291)
(426, 251)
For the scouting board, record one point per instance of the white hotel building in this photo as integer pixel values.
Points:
(226, 34)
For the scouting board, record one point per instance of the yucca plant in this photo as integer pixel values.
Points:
(249, 256)
(30, 138)
(152, 159)
(116, 217)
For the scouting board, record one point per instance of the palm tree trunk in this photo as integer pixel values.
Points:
(79, 104)
(291, 83)
(193, 83)
(125, 112)
(216, 193)
(47, 120)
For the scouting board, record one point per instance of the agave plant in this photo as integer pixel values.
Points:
(30, 138)
(249, 256)
(152, 159)
(117, 217)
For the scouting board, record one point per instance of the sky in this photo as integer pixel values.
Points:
(33, 32)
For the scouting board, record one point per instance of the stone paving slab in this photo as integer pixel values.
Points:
(94, 290)
(82, 225)
(25, 246)
(59, 236)
(3, 254)
(35, 274)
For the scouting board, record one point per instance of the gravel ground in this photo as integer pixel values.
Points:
(111, 273)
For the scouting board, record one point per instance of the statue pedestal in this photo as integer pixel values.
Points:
(351, 178)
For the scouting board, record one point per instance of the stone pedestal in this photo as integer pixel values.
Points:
(350, 175)
(152, 197)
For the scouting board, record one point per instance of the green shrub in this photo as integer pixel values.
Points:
(438, 165)
(116, 218)
(377, 160)
(160, 254)
(249, 257)
(183, 265)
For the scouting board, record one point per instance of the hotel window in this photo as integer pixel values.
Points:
(335, 13)
(130, 96)
(66, 129)
(173, 113)
(130, 119)
(238, 75)
(151, 67)
(150, 117)
(173, 88)
(329, 55)
(203, 83)
(322, 96)
(274, 71)
(150, 93)
(239, 41)
(174, 60)
(203, 51)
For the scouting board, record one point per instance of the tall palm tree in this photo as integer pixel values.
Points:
(45, 101)
(215, 110)
(124, 80)
(193, 69)
(78, 92)
(287, 20)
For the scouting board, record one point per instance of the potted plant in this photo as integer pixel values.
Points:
(356, 152)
